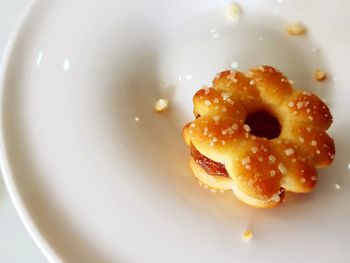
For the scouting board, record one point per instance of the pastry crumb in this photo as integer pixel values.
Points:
(233, 11)
(319, 75)
(296, 29)
(247, 235)
(161, 105)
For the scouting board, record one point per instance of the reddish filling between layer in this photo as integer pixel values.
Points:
(210, 166)
(262, 124)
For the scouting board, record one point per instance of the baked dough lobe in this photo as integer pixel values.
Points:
(259, 170)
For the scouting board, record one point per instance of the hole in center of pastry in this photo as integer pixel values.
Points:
(263, 124)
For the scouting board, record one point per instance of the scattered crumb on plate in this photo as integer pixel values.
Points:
(319, 75)
(161, 105)
(296, 29)
(247, 235)
(233, 11)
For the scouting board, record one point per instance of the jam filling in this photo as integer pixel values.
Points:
(261, 123)
(210, 166)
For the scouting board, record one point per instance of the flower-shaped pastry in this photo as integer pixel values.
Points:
(256, 135)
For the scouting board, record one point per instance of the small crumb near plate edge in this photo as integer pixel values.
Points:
(161, 105)
(319, 75)
(296, 29)
(247, 235)
(233, 11)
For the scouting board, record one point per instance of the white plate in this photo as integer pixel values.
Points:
(92, 184)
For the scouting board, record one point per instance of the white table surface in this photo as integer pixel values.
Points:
(16, 246)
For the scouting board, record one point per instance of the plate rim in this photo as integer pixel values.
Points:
(5, 167)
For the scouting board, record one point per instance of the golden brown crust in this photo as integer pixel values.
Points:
(257, 169)
(301, 175)
(306, 108)
(316, 144)
(213, 102)
(260, 169)
(240, 87)
(273, 86)
(224, 183)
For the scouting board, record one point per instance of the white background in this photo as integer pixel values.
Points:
(16, 246)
